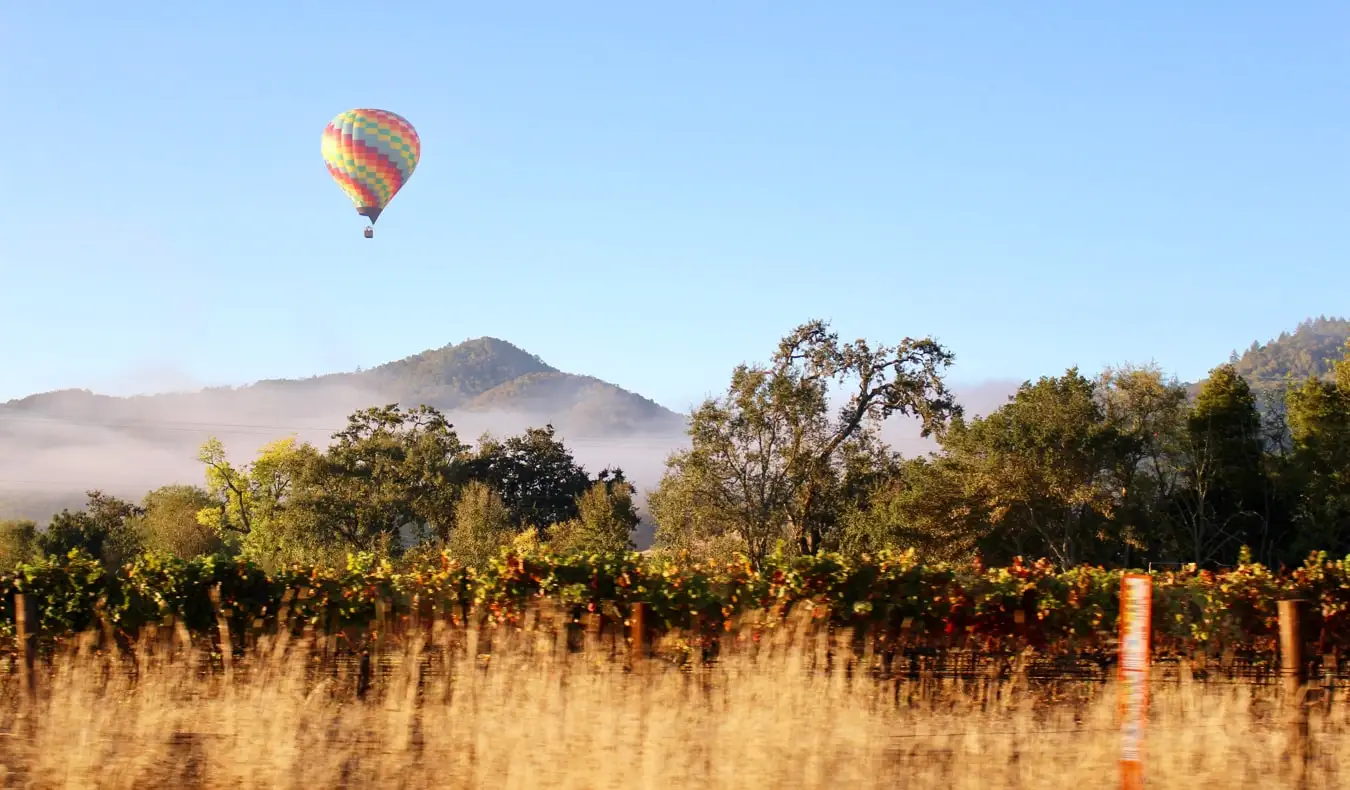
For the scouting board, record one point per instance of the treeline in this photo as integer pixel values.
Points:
(396, 483)
(1118, 469)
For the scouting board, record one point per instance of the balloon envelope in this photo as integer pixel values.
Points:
(371, 154)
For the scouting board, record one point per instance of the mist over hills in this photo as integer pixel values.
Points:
(480, 376)
(55, 445)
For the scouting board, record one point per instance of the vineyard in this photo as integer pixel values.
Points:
(624, 671)
(891, 602)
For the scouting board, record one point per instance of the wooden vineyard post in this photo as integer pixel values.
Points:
(332, 631)
(698, 649)
(638, 631)
(1330, 669)
(26, 627)
(1136, 624)
(382, 624)
(593, 635)
(1294, 674)
(365, 673)
(223, 629)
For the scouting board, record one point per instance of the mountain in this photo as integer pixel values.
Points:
(479, 377)
(1309, 350)
(54, 445)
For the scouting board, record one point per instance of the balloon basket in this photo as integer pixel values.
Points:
(370, 233)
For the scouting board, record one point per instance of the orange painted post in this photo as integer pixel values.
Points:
(1136, 625)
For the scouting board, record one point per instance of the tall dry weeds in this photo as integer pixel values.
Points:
(531, 718)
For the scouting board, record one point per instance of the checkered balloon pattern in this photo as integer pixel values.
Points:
(371, 154)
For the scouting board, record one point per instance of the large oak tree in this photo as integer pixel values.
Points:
(769, 459)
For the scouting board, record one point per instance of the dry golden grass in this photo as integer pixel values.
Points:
(526, 719)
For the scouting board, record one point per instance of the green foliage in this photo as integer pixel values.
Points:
(1114, 470)
(169, 522)
(1118, 470)
(255, 504)
(388, 469)
(534, 474)
(482, 525)
(1318, 466)
(68, 590)
(769, 462)
(394, 480)
(1309, 351)
(938, 605)
(604, 524)
(1124, 470)
(922, 504)
(456, 373)
(105, 529)
(1040, 467)
(18, 543)
(1149, 413)
(1224, 502)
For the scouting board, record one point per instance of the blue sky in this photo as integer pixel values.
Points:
(652, 196)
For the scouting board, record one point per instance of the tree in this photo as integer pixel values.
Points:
(169, 522)
(767, 459)
(249, 498)
(1039, 469)
(1318, 465)
(1225, 500)
(105, 528)
(482, 525)
(388, 470)
(18, 543)
(534, 474)
(1148, 413)
(689, 522)
(604, 524)
(922, 504)
(260, 505)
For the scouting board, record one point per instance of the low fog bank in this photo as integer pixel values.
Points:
(54, 447)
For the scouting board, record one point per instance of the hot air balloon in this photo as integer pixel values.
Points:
(371, 154)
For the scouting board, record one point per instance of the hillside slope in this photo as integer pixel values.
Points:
(1309, 350)
(482, 376)
(55, 445)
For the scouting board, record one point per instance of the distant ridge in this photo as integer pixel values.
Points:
(482, 375)
(1309, 351)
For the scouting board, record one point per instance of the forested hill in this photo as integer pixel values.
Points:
(481, 376)
(1308, 351)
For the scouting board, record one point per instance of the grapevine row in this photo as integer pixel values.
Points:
(1022, 605)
